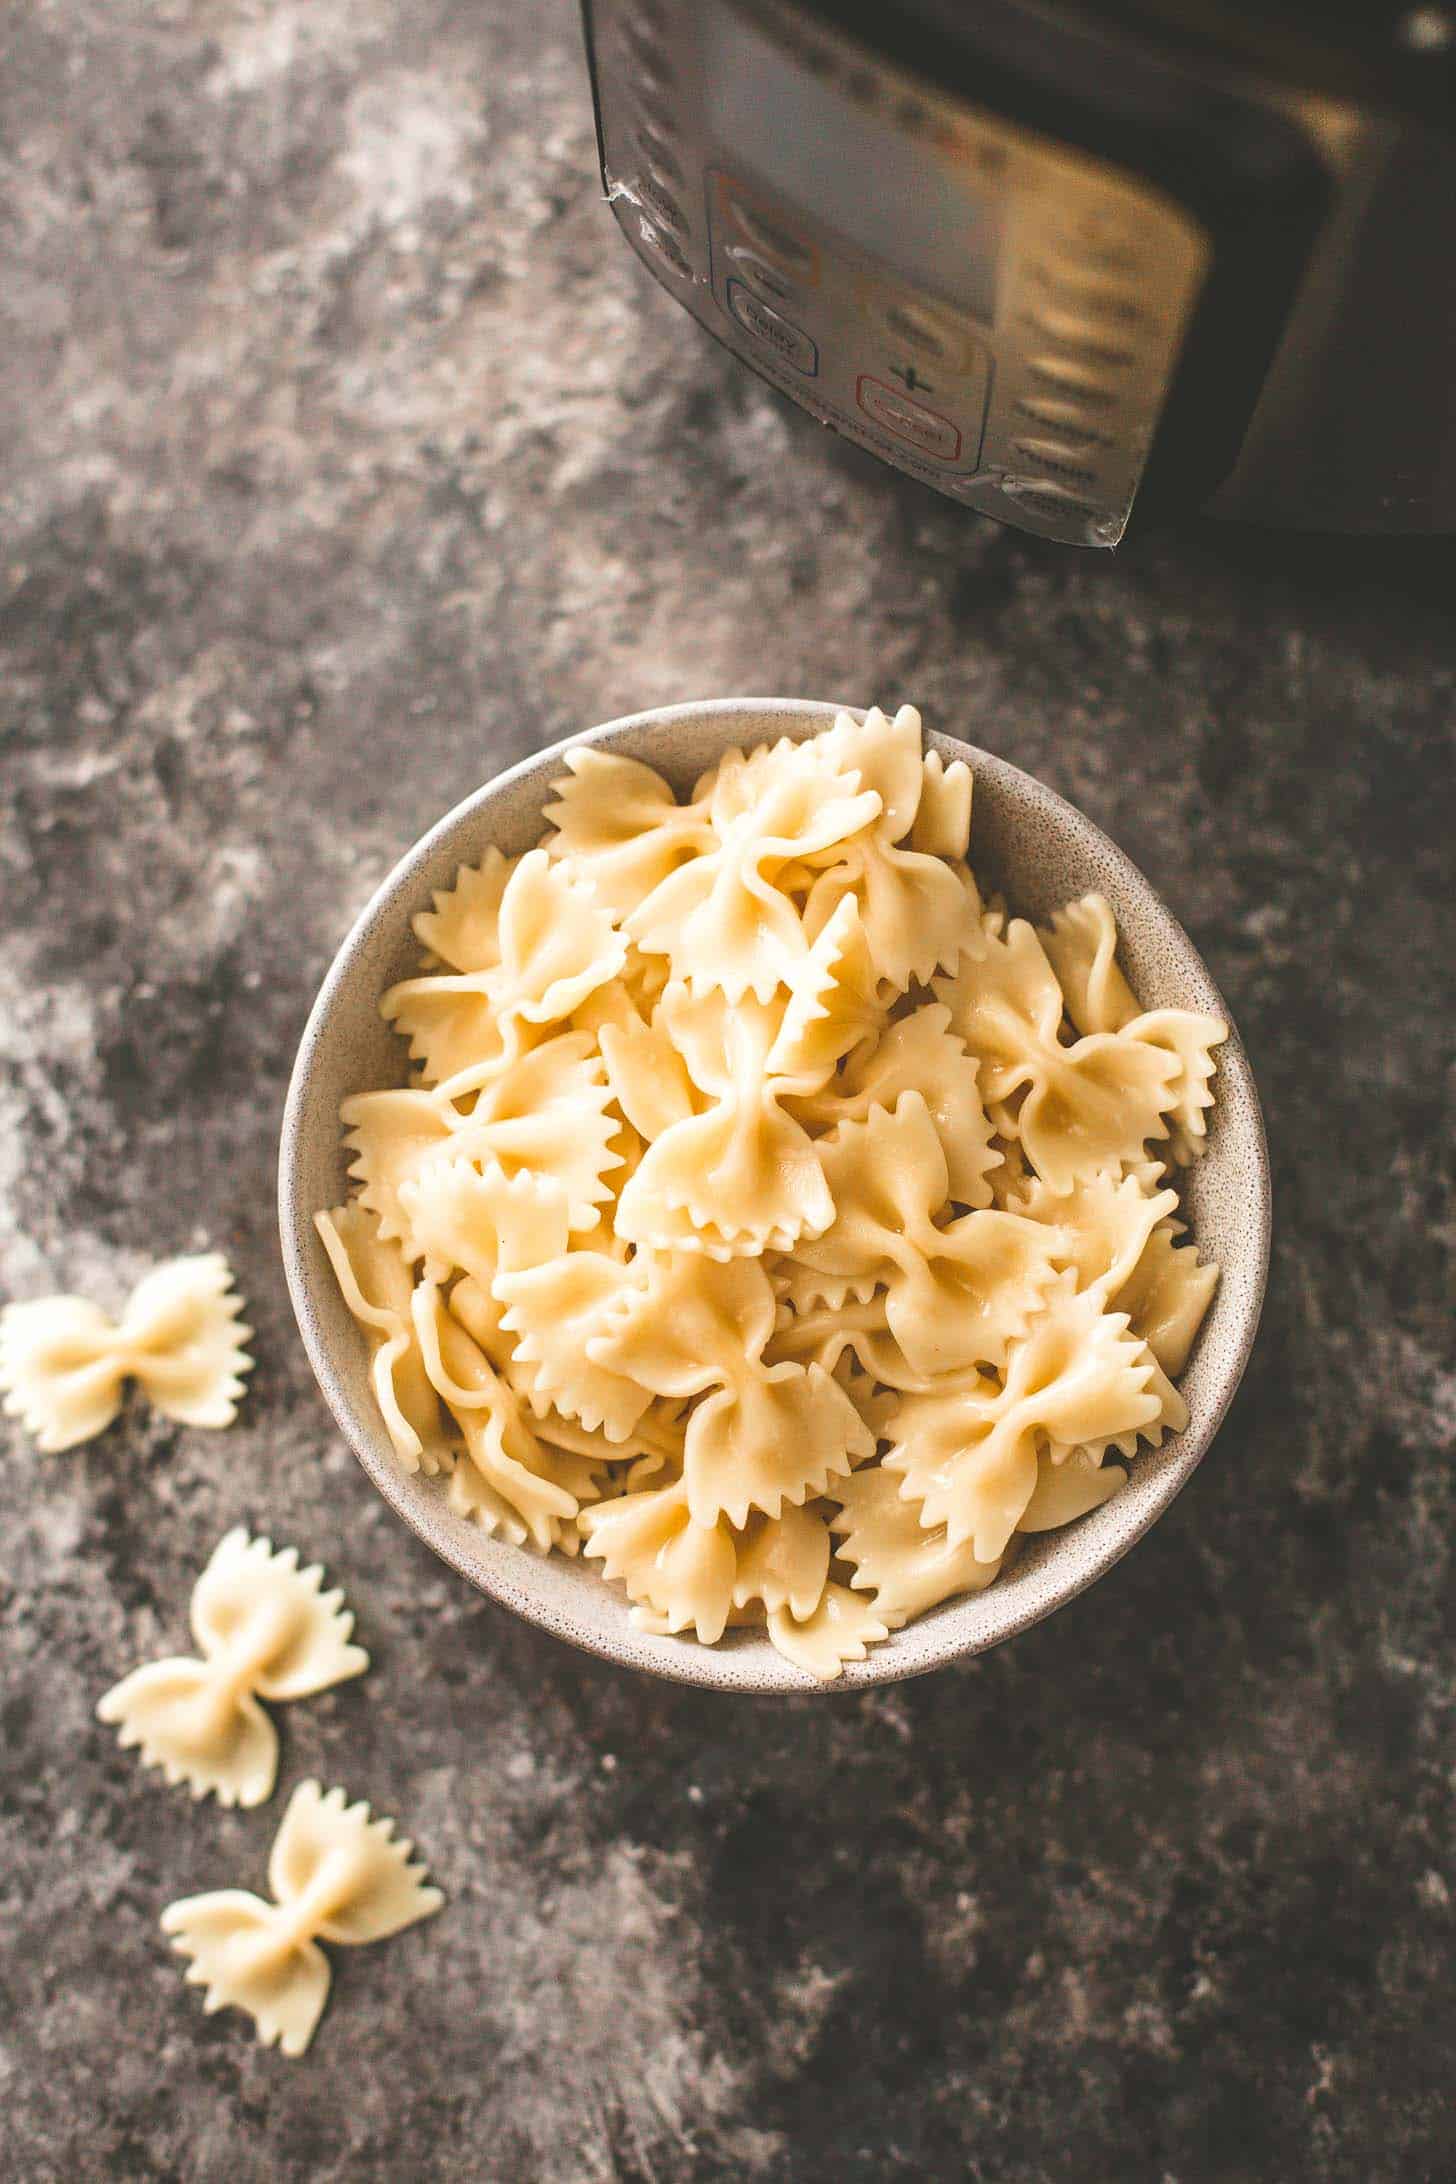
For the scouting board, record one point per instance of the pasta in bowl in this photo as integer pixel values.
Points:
(801, 1212)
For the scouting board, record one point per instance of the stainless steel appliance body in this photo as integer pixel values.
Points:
(1065, 265)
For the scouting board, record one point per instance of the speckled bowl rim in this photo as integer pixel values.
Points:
(1061, 1564)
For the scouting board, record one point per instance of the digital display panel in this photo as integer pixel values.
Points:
(883, 191)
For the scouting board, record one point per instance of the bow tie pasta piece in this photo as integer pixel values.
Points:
(481, 1219)
(968, 1456)
(911, 907)
(64, 1363)
(1109, 1225)
(855, 1329)
(742, 1177)
(783, 1563)
(764, 1434)
(680, 1570)
(1121, 1240)
(1081, 945)
(479, 1313)
(1190, 1039)
(545, 1116)
(942, 823)
(955, 1296)
(463, 928)
(907, 1566)
(453, 1026)
(720, 919)
(911, 904)
(555, 946)
(889, 758)
(619, 826)
(391, 1137)
(648, 1076)
(609, 1004)
(652, 1451)
(1089, 1106)
(1167, 1294)
(451, 1021)
(919, 1053)
(834, 1006)
(734, 788)
(1105, 1222)
(376, 1285)
(488, 1493)
(266, 1630)
(1068, 1486)
(555, 1311)
(842, 1628)
(511, 1480)
(336, 1876)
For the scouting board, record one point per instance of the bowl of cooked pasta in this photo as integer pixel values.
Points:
(773, 1196)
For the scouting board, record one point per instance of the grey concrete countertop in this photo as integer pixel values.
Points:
(348, 455)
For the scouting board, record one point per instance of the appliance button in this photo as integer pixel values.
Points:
(776, 332)
(1085, 380)
(932, 435)
(772, 240)
(761, 274)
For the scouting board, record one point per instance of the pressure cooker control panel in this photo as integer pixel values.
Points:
(995, 313)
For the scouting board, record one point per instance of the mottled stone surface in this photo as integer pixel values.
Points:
(347, 454)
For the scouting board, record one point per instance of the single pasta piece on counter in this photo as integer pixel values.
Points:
(337, 1876)
(64, 1364)
(265, 1629)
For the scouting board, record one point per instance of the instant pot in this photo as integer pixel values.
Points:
(1067, 265)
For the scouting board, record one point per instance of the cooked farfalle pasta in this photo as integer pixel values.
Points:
(767, 1185)
(766, 1217)
(762, 1435)
(336, 1876)
(64, 1364)
(265, 1629)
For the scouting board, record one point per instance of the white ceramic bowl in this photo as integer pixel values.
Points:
(1040, 852)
